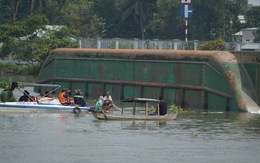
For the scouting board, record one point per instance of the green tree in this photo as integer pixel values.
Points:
(208, 19)
(22, 39)
(166, 22)
(20, 9)
(37, 6)
(15, 4)
(139, 10)
(212, 19)
(5, 11)
(253, 17)
(19, 30)
(13, 10)
(135, 18)
(52, 10)
(109, 15)
(235, 8)
(12, 33)
(37, 49)
(78, 15)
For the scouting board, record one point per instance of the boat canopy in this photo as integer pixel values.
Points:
(53, 87)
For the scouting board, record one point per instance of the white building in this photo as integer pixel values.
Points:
(247, 35)
(245, 39)
(248, 40)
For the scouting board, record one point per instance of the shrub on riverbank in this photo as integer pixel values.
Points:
(12, 68)
(175, 109)
(4, 84)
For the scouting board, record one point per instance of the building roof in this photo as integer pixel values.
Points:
(238, 33)
(251, 46)
(249, 29)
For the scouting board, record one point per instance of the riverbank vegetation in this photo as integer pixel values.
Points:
(4, 84)
(172, 109)
(12, 68)
(175, 109)
(29, 30)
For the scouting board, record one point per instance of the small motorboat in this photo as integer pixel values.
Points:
(48, 104)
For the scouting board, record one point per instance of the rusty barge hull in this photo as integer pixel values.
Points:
(194, 80)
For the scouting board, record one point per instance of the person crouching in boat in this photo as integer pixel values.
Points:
(7, 94)
(45, 97)
(107, 102)
(78, 98)
(64, 97)
(99, 104)
(25, 97)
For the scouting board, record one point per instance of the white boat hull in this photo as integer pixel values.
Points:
(35, 105)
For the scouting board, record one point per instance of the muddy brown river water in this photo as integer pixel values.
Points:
(65, 137)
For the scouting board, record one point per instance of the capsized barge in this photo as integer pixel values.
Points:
(194, 80)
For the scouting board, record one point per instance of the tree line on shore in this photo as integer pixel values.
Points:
(21, 21)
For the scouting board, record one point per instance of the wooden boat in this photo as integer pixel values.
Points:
(52, 104)
(133, 116)
(109, 116)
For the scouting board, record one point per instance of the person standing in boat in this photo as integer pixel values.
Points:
(107, 101)
(99, 104)
(162, 107)
(64, 97)
(78, 98)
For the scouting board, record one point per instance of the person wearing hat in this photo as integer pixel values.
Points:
(64, 97)
(78, 98)
(25, 97)
(99, 104)
(107, 101)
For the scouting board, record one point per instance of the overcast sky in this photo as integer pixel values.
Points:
(254, 2)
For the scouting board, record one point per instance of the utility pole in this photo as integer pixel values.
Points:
(186, 12)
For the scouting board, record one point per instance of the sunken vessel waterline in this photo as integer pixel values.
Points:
(195, 80)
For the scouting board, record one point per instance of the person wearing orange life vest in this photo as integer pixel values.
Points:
(64, 97)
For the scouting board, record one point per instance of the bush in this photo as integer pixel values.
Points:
(4, 84)
(11, 68)
(217, 44)
(175, 109)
